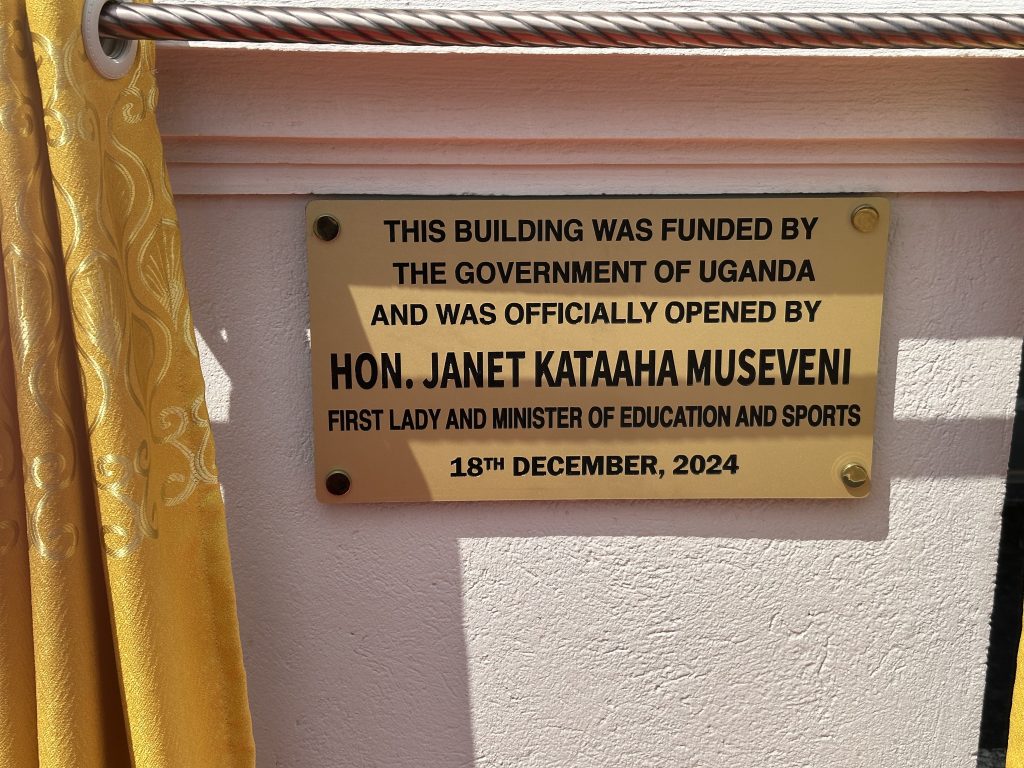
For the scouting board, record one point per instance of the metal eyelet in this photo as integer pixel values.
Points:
(110, 56)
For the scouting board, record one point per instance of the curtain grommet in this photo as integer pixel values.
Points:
(112, 57)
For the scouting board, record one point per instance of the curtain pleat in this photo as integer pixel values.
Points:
(118, 636)
(1015, 748)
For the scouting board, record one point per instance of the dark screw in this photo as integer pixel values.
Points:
(326, 227)
(338, 483)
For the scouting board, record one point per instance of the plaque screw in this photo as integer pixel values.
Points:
(326, 227)
(864, 218)
(338, 482)
(854, 475)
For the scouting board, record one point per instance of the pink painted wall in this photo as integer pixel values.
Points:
(770, 634)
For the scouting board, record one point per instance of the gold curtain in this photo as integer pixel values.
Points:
(1015, 749)
(118, 637)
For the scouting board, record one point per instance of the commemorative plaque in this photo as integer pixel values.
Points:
(594, 348)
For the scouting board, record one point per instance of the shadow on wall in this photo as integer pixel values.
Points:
(1005, 633)
(352, 617)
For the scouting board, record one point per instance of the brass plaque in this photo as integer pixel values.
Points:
(594, 348)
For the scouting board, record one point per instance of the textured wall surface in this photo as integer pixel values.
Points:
(768, 634)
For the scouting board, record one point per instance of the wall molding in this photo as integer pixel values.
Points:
(250, 122)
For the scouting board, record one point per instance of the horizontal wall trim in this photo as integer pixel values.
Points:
(213, 165)
(571, 151)
(247, 122)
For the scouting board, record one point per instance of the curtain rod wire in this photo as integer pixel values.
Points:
(562, 29)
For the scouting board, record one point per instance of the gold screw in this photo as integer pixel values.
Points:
(854, 475)
(864, 218)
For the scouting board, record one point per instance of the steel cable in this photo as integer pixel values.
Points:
(562, 29)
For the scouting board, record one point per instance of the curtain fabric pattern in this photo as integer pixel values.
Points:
(1015, 748)
(118, 636)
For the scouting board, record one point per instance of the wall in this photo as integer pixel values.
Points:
(770, 634)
